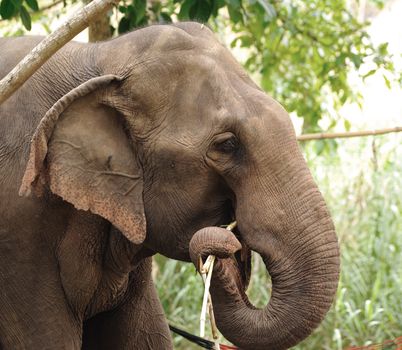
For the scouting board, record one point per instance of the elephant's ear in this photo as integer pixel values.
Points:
(81, 150)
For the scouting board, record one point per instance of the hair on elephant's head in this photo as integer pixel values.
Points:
(172, 136)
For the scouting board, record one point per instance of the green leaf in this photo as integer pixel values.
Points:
(140, 8)
(383, 49)
(25, 18)
(387, 82)
(7, 9)
(17, 4)
(233, 3)
(234, 14)
(166, 17)
(319, 146)
(200, 11)
(132, 17)
(245, 40)
(346, 124)
(357, 60)
(185, 9)
(124, 25)
(33, 4)
(216, 5)
(371, 72)
(270, 11)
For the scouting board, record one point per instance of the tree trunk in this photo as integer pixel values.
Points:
(99, 29)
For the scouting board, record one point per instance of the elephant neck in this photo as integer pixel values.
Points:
(67, 69)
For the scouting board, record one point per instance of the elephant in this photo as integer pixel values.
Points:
(117, 150)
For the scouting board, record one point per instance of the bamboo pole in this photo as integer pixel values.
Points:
(48, 46)
(338, 135)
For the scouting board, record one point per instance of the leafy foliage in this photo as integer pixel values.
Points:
(13, 8)
(304, 51)
(300, 51)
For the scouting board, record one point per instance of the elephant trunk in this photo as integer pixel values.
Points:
(297, 242)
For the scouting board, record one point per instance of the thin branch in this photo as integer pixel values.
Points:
(48, 46)
(206, 273)
(338, 135)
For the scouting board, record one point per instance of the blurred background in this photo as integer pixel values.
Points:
(336, 66)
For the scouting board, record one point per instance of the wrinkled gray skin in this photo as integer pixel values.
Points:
(126, 148)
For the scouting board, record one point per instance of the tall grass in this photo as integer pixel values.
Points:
(362, 184)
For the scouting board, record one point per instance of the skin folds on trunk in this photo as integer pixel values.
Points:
(304, 280)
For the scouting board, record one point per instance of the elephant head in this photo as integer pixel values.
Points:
(170, 135)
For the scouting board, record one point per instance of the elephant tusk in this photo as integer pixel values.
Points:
(231, 226)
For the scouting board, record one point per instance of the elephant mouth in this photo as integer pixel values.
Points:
(242, 256)
(243, 260)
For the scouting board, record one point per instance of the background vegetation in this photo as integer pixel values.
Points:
(302, 53)
(298, 50)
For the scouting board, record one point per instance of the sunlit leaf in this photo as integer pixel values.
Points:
(25, 18)
(387, 81)
(139, 7)
(185, 9)
(346, 124)
(33, 4)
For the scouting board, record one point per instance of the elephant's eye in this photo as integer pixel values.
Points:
(227, 145)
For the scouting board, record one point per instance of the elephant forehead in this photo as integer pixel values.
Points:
(172, 39)
(217, 99)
